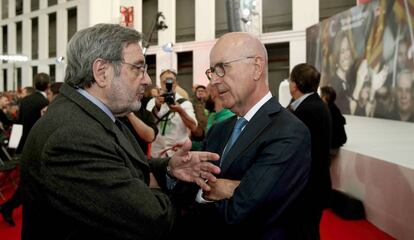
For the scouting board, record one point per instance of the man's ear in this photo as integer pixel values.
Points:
(259, 67)
(99, 68)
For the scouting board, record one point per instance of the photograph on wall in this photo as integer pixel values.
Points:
(367, 55)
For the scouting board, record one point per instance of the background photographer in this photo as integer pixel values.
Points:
(174, 116)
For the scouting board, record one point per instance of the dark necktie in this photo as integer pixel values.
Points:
(124, 129)
(240, 123)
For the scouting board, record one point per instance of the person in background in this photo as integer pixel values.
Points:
(311, 110)
(174, 115)
(341, 80)
(199, 100)
(26, 91)
(31, 106)
(29, 112)
(150, 92)
(338, 136)
(217, 112)
(83, 176)
(53, 92)
(182, 92)
(5, 122)
(384, 103)
(404, 101)
(265, 169)
(142, 125)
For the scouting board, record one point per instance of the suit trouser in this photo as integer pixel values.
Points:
(14, 202)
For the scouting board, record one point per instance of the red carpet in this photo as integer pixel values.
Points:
(11, 233)
(332, 228)
(336, 228)
(8, 232)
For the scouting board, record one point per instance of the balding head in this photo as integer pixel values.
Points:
(238, 69)
(236, 44)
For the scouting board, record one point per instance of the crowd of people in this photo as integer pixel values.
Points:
(111, 156)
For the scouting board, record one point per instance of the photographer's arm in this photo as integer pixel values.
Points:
(155, 106)
(143, 130)
(189, 122)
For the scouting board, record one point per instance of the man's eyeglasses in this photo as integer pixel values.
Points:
(140, 70)
(218, 69)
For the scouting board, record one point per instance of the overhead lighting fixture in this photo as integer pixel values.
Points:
(14, 58)
(60, 59)
(168, 47)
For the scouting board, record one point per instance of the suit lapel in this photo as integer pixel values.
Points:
(128, 142)
(95, 112)
(250, 133)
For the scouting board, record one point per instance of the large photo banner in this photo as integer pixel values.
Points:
(367, 55)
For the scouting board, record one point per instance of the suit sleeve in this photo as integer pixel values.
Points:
(278, 174)
(93, 181)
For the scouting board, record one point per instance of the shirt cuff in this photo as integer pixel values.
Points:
(200, 199)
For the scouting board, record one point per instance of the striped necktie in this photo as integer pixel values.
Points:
(240, 123)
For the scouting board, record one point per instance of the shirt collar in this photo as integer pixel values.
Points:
(249, 115)
(97, 102)
(295, 104)
(44, 94)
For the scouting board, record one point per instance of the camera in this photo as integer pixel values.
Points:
(169, 96)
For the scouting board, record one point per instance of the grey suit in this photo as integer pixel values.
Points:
(83, 178)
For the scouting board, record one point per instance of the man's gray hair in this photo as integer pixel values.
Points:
(105, 41)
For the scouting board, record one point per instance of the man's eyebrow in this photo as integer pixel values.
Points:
(139, 61)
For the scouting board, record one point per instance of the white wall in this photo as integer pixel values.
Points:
(376, 165)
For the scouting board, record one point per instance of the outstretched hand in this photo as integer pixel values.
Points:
(194, 166)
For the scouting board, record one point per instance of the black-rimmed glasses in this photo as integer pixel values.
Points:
(218, 69)
(139, 70)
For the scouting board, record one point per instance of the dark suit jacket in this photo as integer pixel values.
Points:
(271, 158)
(343, 95)
(315, 114)
(29, 113)
(148, 118)
(338, 136)
(83, 178)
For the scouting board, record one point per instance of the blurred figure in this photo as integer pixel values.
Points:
(142, 125)
(217, 112)
(177, 87)
(29, 112)
(341, 81)
(311, 110)
(53, 92)
(404, 97)
(26, 91)
(174, 115)
(362, 102)
(338, 136)
(150, 92)
(199, 100)
(384, 103)
(31, 106)
(5, 122)
(155, 92)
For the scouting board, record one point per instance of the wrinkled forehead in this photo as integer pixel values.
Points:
(226, 49)
(405, 81)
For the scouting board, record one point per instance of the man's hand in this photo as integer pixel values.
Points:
(221, 189)
(194, 166)
(176, 107)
